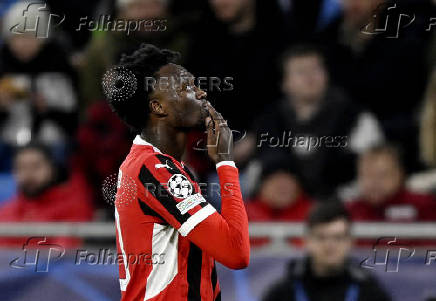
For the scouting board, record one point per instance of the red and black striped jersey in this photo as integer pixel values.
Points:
(158, 204)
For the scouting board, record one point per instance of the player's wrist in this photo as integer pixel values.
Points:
(223, 157)
(225, 163)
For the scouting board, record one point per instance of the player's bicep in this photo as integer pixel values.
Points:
(172, 194)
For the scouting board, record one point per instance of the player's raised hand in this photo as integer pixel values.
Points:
(219, 137)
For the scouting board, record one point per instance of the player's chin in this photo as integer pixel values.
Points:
(193, 123)
(196, 119)
(200, 124)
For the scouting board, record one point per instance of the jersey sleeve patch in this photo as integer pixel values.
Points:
(190, 202)
(179, 186)
(156, 191)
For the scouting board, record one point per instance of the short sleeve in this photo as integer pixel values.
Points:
(171, 193)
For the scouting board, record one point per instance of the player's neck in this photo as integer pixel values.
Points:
(168, 140)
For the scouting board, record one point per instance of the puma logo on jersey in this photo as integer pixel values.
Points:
(157, 166)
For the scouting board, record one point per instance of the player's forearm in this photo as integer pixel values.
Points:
(225, 243)
(233, 209)
(231, 197)
(225, 237)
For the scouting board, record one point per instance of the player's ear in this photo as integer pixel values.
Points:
(157, 108)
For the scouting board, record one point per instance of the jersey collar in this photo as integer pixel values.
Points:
(140, 141)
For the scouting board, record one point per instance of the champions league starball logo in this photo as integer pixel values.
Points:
(179, 186)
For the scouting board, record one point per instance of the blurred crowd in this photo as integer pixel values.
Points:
(328, 100)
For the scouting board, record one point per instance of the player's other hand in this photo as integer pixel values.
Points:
(219, 137)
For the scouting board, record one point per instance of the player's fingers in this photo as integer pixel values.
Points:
(210, 127)
(224, 129)
(219, 117)
(208, 122)
(222, 123)
(213, 113)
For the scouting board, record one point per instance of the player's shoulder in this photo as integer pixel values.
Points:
(161, 162)
(147, 162)
(147, 159)
(161, 167)
(163, 172)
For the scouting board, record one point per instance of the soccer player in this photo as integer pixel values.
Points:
(168, 219)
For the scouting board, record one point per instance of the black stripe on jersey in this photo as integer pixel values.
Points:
(173, 167)
(148, 211)
(213, 278)
(195, 260)
(161, 194)
(192, 176)
(189, 172)
(218, 297)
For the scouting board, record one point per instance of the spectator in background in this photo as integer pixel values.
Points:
(241, 41)
(75, 39)
(315, 126)
(237, 44)
(37, 86)
(106, 47)
(304, 18)
(383, 72)
(428, 124)
(102, 159)
(383, 196)
(280, 197)
(43, 196)
(327, 273)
